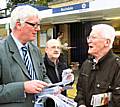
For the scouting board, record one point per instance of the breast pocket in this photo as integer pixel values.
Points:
(84, 77)
(103, 86)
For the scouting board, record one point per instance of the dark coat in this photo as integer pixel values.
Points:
(13, 73)
(102, 78)
(50, 67)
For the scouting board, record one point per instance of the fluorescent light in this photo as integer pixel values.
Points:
(112, 18)
(117, 33)
(65, 21)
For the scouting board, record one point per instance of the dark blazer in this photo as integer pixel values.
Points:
(50, 67)
(13, 73)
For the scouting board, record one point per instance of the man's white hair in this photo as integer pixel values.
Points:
(52, 41)
(106, 31)
(21, 13)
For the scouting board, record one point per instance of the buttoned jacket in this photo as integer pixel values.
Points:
(102, 77)
(13, 73)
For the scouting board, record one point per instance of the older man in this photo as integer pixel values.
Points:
(51, 60)
(99, 78)
(22, 71)
(53, 65)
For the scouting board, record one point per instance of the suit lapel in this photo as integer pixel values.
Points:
(16, 55)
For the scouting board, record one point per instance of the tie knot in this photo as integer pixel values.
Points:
(24, 48)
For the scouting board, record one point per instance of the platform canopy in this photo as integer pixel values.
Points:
(4, 20)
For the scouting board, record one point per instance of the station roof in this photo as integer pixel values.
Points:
(39, 7)
(6, 19)
(97, 10)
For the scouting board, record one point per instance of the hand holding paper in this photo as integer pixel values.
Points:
(53, 91)
(67, 77)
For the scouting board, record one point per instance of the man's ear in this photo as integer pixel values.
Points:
(107, 42)
(46, 50)
(18, 25)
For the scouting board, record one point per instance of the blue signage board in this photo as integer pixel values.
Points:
(71, 7)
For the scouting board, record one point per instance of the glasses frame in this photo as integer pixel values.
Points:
(35, 25)
(55, 47)
(94, 37)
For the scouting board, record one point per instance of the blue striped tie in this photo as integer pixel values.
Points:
(28, 62)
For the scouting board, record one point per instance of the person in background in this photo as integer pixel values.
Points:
(99, 79)
(60, 36)
(64, 49)
(22, 70)
(53, 65)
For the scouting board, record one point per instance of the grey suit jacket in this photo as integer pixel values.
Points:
(13, 73)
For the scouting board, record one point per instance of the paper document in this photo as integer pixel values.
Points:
(60, 101)
(50, 92)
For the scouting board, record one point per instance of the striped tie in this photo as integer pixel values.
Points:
(28, 62)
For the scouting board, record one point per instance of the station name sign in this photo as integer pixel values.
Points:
(71, 7)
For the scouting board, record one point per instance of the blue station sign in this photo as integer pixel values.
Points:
(71, 7)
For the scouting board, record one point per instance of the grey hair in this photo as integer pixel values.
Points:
(106, 31)
(21, 13)
(52, 41)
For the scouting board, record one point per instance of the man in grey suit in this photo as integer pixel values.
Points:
(17, 87)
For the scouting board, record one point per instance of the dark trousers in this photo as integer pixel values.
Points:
(49, 103)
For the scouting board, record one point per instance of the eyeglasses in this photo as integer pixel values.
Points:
(35, 25)
(94, 37)
(55, 47)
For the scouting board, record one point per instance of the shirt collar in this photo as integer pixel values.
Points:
(18, 43)
(50, 62)
(110, 52)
